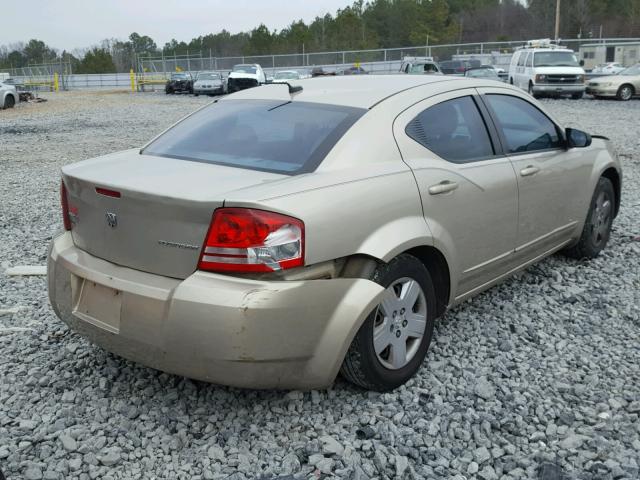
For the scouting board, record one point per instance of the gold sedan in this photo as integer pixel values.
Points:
(622, 86)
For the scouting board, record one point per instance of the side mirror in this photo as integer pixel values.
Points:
(582, 63)
(577, 138)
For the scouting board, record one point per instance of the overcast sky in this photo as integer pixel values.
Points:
(70, 24)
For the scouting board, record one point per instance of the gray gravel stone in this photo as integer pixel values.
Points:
(68, 443)
(330, 446)
(573, 441)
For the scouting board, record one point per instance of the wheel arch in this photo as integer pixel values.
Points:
(436, 263)
(612, 174)
(630, 85)
(432, 258)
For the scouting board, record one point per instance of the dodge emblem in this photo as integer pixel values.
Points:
(112, 219)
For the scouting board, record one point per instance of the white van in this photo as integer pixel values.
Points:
(542, 68)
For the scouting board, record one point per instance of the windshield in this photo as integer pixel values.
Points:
(286, 76)
(209, 76)
(633, 70)
(178, 76)
(423, 67)
(244, 69)
(555, 59)
(267, 135)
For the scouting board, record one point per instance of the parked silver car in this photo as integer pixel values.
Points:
(8, 95)
(208, 83)
(290, 232)
(623, 86)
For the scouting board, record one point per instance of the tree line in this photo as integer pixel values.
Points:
(374, 24)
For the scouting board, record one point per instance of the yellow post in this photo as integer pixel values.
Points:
(133, 80)
(56, 85)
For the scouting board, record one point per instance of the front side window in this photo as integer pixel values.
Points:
(454, 130)
(523, 126)
(267, 135)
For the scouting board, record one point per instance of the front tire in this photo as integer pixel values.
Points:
(393, 341)
(576, 96)
(625, 92)
(9, 101)
(531, 92)
(597, 226)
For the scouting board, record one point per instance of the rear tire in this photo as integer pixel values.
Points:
(403, 334)
(597, 226)
(625, 92)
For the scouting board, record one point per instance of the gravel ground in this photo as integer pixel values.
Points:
(538, 376)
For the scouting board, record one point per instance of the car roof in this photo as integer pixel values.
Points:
(353, 91)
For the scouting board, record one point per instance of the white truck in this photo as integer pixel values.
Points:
(544, 68)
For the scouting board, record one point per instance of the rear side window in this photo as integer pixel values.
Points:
(267, 135)
(523, 126)
(453, 129)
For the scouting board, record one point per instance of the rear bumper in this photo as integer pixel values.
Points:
(210, 327)
(558, 89)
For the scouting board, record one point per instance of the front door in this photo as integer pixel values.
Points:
(468, 189)
(551, 179)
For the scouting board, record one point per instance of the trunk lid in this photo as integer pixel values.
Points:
(160, 220)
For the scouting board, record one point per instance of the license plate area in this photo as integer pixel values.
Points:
(97, 304)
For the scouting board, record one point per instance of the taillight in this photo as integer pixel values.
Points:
(66, 220)
(249, 240)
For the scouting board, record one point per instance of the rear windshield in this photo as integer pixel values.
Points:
(267, 135)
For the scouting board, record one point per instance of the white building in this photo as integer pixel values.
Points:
(626, 53)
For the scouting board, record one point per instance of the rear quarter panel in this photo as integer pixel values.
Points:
(362, 199)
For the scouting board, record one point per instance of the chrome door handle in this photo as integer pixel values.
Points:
(529, 170)
(443, 187)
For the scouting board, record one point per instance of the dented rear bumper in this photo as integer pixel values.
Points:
(216, 328)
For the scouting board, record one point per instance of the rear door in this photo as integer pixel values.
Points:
(551, 179)
(468, 188)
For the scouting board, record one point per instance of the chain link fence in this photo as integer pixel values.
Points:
(155, 70)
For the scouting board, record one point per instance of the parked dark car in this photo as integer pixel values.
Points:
(320, 72)
(452, 67)
(355, 71)
(179, 82)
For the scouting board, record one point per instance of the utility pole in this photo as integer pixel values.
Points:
(557, 20)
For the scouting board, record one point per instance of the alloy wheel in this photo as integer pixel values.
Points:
(400, 323)
(601, 218)
(625, 93)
